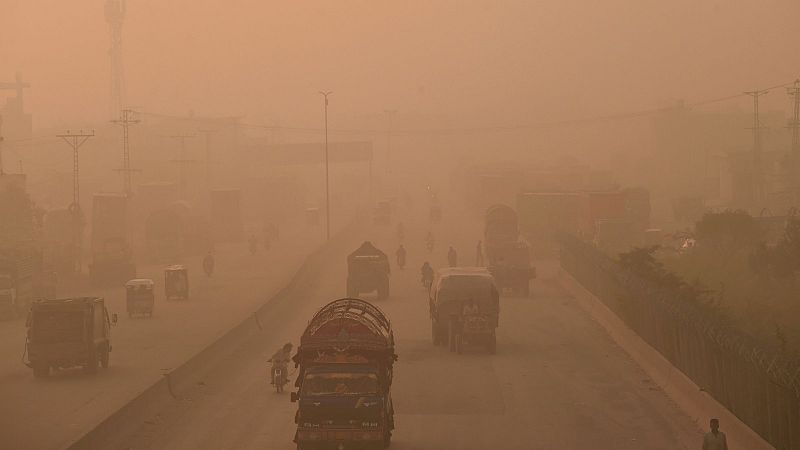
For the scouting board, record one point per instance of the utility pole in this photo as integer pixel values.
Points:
(182, 162)
(327, 179)
(794, 125)
(390, 114)
(75, 140)
(1, 146)
(208, 133)
(127, 118)
(758, 172)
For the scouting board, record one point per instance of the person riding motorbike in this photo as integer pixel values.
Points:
(427, 274)
(401, 256)
(280, 360)
(208, 264)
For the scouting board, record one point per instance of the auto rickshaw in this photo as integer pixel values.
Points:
(176, 282)
(139, 296)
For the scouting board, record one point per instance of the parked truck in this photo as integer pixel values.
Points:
(70, 332)
(344, 380)
(112, 259)
(508, 257)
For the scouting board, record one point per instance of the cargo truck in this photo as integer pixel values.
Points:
(344, 380)
(508, 257)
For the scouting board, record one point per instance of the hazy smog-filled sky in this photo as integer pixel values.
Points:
(502, 62)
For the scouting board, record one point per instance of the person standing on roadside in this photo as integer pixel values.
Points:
(715, 439)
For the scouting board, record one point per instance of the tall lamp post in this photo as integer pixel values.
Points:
(327, 180)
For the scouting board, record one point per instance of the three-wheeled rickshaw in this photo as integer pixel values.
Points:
(176, 282)
(139, 297)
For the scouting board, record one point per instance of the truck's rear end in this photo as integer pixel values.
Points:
(66, 333)
(345, 364)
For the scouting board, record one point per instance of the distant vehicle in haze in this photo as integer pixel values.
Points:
(345, 370)
(464, 306)
(367, 271)
(68, 332)
(139, 297)
(176, 282)
(508, 256)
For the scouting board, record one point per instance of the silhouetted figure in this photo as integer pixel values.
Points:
(401, 256)
(208, 264)
(427, 274)
(479, 254)
(715, 439)
(452, 257)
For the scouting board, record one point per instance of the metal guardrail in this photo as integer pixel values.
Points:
(759, 384)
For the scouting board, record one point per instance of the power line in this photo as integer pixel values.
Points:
(485, 129)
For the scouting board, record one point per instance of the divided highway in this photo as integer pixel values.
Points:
(557, 381)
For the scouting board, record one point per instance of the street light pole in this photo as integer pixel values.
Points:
(327, 179)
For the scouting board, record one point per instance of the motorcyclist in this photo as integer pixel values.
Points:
(208, 263)
(401, 256)
(427, 274)
(452, 257)
(281, 360)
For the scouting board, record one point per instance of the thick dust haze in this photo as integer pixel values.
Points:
(493, 63)
(440, 224)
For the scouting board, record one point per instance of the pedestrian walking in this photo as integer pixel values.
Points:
(715, 439)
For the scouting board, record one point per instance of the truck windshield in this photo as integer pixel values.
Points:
(340, 384)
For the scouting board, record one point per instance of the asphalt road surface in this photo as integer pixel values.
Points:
(557, 381)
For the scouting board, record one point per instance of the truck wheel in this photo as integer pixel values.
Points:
(91, 363)
(387, 440)
(451, 336)
(41, 369)
(104, 357)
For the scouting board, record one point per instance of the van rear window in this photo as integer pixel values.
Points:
(52, 327)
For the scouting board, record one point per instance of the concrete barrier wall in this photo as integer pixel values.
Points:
(683, 391)
(110, 432)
